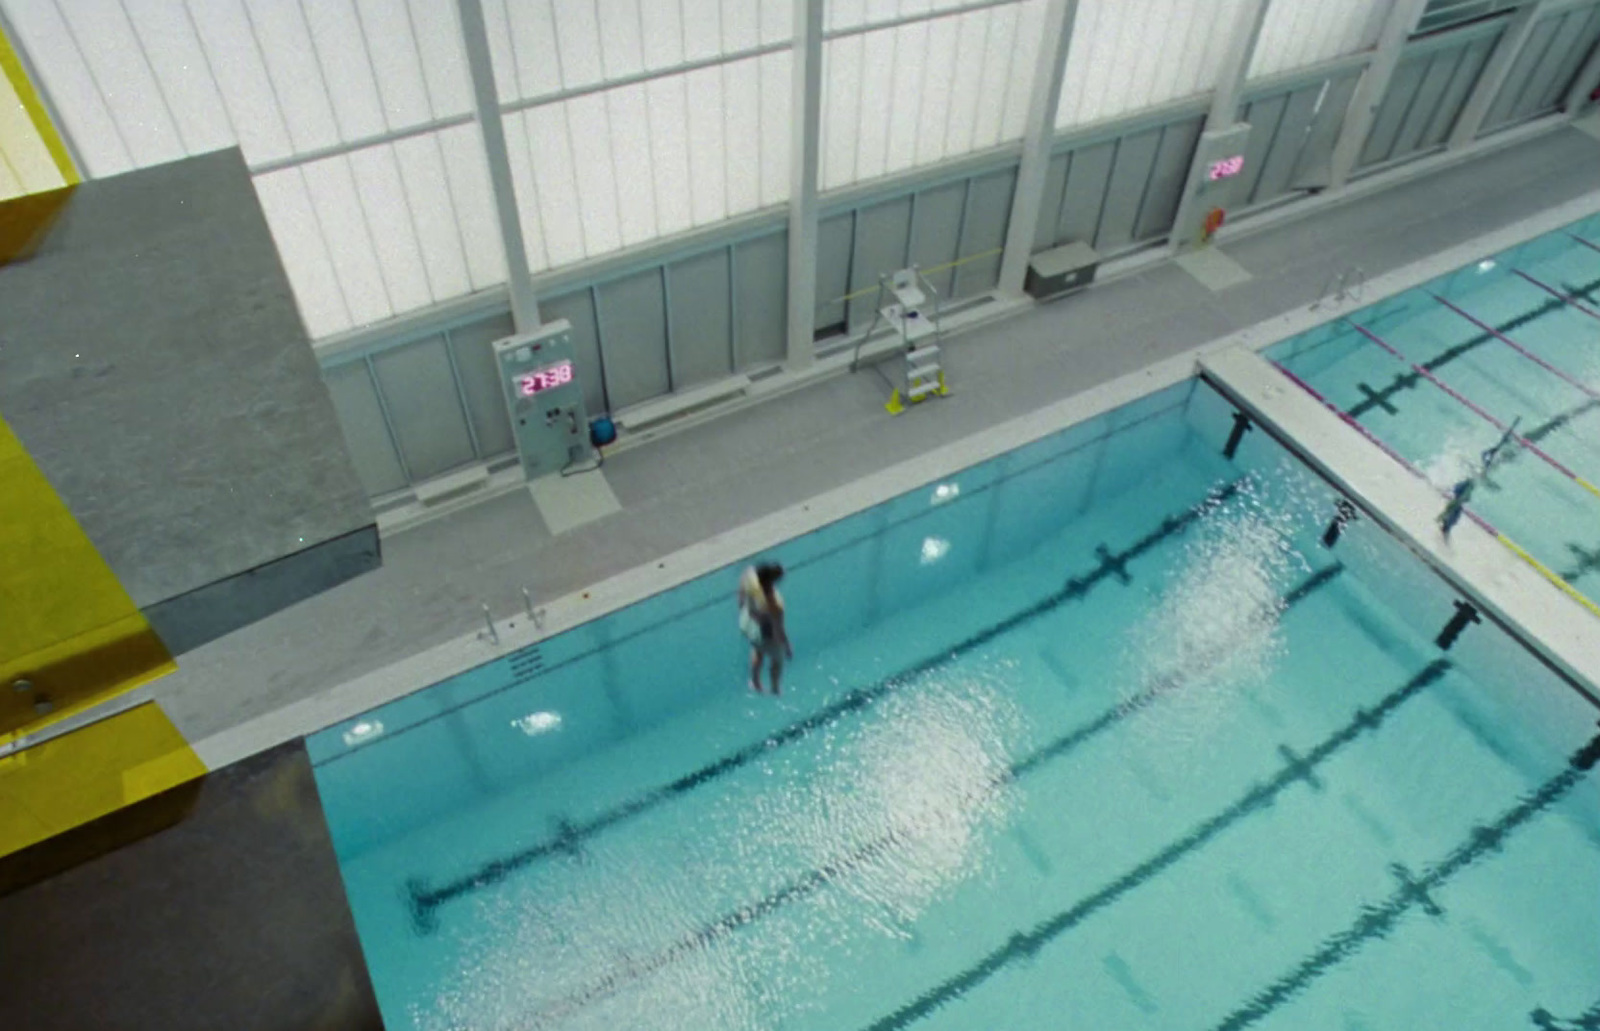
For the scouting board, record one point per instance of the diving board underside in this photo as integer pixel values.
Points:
(154, 365)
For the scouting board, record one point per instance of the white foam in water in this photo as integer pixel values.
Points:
(897, 806)
(1213, 627)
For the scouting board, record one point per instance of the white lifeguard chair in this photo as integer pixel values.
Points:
(910, 305)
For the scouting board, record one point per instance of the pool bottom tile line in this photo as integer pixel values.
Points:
(815, 880)
(1378, 921)
(423, 901)
(1025, 944)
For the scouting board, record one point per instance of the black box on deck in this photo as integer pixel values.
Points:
(1061, 269)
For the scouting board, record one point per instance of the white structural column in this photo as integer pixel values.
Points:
(805, 153)
(1224, 135)
(486, 100)
(1397, 28)
(1038, 136)
(1494, 74)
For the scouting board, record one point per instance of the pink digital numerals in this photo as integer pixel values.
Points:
(537, 382)
(1227, 167)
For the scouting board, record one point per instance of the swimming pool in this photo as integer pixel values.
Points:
(1441, 373)
(1097, 734)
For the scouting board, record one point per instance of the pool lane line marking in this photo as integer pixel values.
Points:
(1588, 1020)
(1026, 944)
(813, 881)
(1570, 380)
(1378, 921)
(1475, 409)
(1408, 380)
(423, 900)
(1592, 246)
(1516, 549)
(1552, 291)
(526, 664)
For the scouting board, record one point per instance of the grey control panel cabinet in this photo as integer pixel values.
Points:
(544, 397)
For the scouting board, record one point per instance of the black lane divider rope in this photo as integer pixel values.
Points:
(1025, 944)
(1588, 1020)
(813, 881)
(424, 900)
(1377, 921)
(1408, 380)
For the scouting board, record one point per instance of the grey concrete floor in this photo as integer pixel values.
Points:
(712, 477)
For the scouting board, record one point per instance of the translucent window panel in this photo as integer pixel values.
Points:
(1297, 33)
(432, 206)
(472, 202)
(387, 210)
(934, 89)
(299, 237)
(1131, 54)
(183, 71)
(298, 83)
(235, 60)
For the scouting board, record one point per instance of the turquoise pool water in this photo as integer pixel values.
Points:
(1513, 339)
(1095, 735)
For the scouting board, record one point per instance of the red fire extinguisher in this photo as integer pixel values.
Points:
(1214, 219)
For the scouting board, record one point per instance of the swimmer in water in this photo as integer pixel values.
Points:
(761, 621)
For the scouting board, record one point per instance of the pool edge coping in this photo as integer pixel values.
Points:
(417, 672)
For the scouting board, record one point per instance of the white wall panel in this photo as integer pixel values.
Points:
(1127, 55)
(468, 173)
(926, 91)
(427, 186)
(387, 211)
(1302, 32)
(181, 66)
(708, 167)
(295, 229)
(118, 65)
(343, 54)
(297, 79)
(777, 77)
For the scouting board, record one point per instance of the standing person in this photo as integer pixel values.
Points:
(761, 620)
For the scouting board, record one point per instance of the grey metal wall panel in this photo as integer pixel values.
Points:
(834, 238)
(1167, 176)
(356, 403)
(1396, 103)
(472, 346)
(578, 309)
(883, 232)
(1130, 176)
(988, 210)
(1085, 192)
(700, 307)
(1523, 69)
(1548, 86)
(633, 337)
(761, 290)
(936, 231)
(1278, 164)
(1055, 184)
(1436, 77)
(424, 407)
(1313, 167)
(1266, 119)
(1473, 57)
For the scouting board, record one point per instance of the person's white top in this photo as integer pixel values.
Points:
(755, 597)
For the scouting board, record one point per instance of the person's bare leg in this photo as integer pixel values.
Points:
(776, 669)
(755, 669)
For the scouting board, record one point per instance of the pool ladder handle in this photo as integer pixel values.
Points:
(492, 635)
(1349, 284)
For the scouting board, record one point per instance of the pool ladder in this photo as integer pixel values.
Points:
(492, 634)
(1349, 284)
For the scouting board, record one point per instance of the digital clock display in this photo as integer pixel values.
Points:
(547, 378)
(1227, 167)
